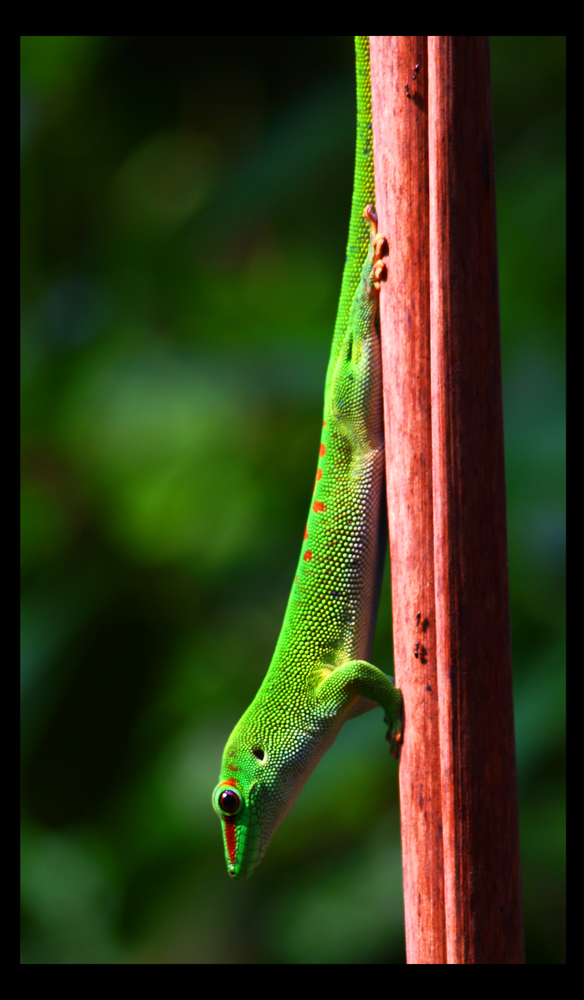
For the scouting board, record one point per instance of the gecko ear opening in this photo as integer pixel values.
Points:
(258, 753)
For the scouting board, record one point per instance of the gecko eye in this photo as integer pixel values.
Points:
(258, 752)
(229, 801)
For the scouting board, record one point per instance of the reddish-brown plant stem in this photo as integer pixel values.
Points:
(446, 497)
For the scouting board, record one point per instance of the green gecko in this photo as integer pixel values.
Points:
(319, 675)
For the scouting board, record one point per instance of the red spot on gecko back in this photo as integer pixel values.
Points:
(318, 477)
(318, 506)
(322, 450)
(305, 533)
(308, 555)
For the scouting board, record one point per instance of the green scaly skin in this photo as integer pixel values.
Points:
(319, 675)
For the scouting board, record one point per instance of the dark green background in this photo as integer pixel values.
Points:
(184, 212)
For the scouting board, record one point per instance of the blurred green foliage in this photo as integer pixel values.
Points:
(184, 212)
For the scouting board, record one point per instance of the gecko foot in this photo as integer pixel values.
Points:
(380, 249)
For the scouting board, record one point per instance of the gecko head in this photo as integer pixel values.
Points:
(254, 794)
